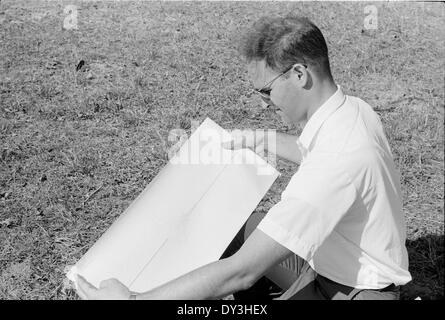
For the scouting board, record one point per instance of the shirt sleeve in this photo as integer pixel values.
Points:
(315, 200)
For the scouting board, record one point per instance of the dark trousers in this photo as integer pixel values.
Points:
(294, 279)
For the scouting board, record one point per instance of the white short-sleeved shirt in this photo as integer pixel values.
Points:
(342, 209)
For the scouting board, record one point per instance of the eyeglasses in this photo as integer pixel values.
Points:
(265, 91)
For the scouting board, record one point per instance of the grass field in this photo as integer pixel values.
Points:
(76, 147)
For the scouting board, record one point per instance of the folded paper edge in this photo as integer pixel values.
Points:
(71, 272)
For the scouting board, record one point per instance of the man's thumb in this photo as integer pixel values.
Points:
(228, 145)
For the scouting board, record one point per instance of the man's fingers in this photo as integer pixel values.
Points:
(109, 283)
(237, 142)
(81, 281)
(228, 145)
(81, 294)
(259, 149)
(85, 289)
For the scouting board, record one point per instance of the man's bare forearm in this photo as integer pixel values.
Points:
(212, 281)
(284, 146)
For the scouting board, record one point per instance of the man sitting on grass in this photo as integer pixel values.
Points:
(338, 231)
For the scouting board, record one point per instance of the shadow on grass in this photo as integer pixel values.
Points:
(426, 260)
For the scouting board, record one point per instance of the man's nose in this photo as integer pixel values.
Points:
(271, 106)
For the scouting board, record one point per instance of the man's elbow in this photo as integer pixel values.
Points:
(245, 277)
(248, 281)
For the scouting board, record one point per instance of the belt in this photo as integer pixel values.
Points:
(391, 287)
(329, 287)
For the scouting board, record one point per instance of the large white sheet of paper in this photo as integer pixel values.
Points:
(186, 216)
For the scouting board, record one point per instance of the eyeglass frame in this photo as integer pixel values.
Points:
(266, 96)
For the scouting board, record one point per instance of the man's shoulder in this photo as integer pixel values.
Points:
(353, 126)
(365, 111)
(342, 128)
(353, 136)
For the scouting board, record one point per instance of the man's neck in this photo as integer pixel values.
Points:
(322, 93)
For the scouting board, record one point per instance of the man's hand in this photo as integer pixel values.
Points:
(246, 139)
(111, 289)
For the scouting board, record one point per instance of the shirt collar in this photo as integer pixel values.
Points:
(319, 117)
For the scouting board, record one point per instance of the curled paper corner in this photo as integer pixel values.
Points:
(70, 281)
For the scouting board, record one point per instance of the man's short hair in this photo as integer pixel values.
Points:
(282, 42)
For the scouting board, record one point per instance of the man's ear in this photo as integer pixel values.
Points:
(303, 78)
(302, 75)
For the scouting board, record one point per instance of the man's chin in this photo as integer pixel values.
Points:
(285, 119)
